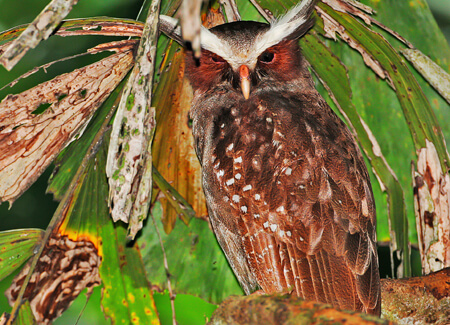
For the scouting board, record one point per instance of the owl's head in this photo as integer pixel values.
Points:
(244, 54)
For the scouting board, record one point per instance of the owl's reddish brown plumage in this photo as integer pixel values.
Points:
(287, 190)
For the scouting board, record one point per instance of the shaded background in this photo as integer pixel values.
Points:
(34, 209)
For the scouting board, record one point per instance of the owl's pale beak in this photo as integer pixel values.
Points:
(244, 76)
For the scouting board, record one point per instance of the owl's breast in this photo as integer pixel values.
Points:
(273, 160)
(255, 159)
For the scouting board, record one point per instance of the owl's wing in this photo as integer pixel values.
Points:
(295, 189)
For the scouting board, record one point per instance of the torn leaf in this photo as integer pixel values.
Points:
(433, 73)
(432, 209)
(38, 123)
(173, 146)
(129, 164)
(331, 27)
(40, 29)
(65, 268)
(231, 10)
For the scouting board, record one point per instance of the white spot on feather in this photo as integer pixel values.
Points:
(288, 171)
(238, 159)
(230, 147)
(236, 198)
(244, 209)
(238, 176)
(230, 181)
(256, 216)
(280, 209)
(269, 119)
(273, 227)
(220, 173)
(266, 224)
(364, 207)
(217, 165)
(288, 233)
(247, 188)
(222, 126)
(257, 197)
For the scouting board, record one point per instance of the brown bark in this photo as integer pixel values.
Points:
(419, 300)
(287, 309)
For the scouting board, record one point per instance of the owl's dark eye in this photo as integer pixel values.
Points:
(217, 59)
(266, 57)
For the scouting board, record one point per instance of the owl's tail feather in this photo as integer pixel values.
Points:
(324, 277)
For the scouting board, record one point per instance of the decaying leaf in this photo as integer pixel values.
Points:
(231, 10)
(364, 12)
(434, 74)
(65, 268)
(40, 29)
(432, 209)
(173, 146)
(105, 26)
(331, 27)
(347, 6)
(129, 165)
(38, 123)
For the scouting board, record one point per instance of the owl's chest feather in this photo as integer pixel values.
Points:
(268, 162)
(255, 157)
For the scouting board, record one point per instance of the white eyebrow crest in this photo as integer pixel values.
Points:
(212, 43)
(285, 26)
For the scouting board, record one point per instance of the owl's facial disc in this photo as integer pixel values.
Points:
(250, 55)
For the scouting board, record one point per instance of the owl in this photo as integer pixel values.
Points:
(288, 193)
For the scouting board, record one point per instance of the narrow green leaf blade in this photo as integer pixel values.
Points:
(127, 297)
(196, 263)
(25, 316)
(416, 107)
(16, 246)
(428, 38)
